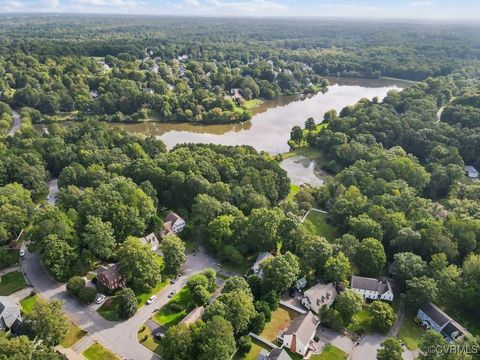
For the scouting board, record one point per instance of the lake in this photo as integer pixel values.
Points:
(269, 129)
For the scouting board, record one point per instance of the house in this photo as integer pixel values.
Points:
(434, 318)
(300, 283)
(318, 296)
(371, 288)
(275, 354)
(257, 265)
(471, 172)
(150, 240)
(173, 224)
(111, 277)
(10, 318)
(299, 335)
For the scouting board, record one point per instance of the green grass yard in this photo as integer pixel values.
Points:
(330, 352)
(98, 352)
(28, 302)
(410, 333)
(143, 297)
(253, 353)
(146, 338)
(12, 282)
(323, 227)
(176, 309)
(294, 189)
(110, 309)
(362, 321)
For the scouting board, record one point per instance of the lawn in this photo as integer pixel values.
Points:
(281, 318)
(294, 189)
(11, 259)
(323, 227)
(330, 352)
(74, 334)
(250, 104)
(98, 352)
(12, 282)
(410, 333)
(362, 321)
(28, 302)
(253, 353)
(176, 309)
(109, 309)
(307, 151)
(143, 297)
(145, 338)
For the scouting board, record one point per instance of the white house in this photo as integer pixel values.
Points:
(371, 288)
(299, 335)
(319, 295)
(471, 172)
(434, 318)
(257, 265)
(173, 224)
(151, 240)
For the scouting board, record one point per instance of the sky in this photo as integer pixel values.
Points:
(384, 9)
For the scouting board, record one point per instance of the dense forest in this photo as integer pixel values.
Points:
(204, 70)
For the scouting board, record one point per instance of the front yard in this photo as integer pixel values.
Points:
(330, 352)
(362, 321)
(12, 282)
(143, 297)
(98, 352)
(410, 333)
(281, 319)
(110, 309)
(176, 309)
(146, 338)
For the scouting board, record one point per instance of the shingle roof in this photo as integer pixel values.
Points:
(453, 330)
(371, 284)
(172, 218)
(278, 354)
(436, 314)
(303, 326)
(9, 311)
(321, 294)
(112, 272)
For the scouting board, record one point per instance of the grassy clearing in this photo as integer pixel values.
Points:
(28, 303)
(410, 333)
(250, 104)
(330, 352)
(11, 259)
(294, 189)
(146, 338)
(110, 309)
(12, 282)
(253, 353)
(143, 297)
(362, 321)
(323, 227)
(176, 309)
(74, 334)
(307, 151)
(281, 318)
(98, 352)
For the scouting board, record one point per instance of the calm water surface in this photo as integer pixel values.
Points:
(269, 129)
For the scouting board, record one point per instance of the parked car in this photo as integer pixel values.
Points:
(173, 281)
(171, 294)
(22, 252)
(151, 299)
(100, 298)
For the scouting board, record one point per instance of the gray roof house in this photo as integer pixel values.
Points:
(371, 288)
(471, 172)
(436, 319)
(299, 335)
(150, 240)
(9, 313)
(318, 296)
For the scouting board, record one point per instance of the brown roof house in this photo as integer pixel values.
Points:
(319, 295)
(150, 240)
(111, 277)
(173, 224)
(299, 335)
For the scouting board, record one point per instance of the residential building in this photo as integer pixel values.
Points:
(471, 172)
(300, 283)
(111, 277)
(173, 224)
(434, 318)
(257, 265)
(275, 354)
(371, 288)
(299, 335)
(318, 296)
(10, 318)
(150, 240)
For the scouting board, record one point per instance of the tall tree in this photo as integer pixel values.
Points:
(47, 321)
(173, 254)
(370, 257)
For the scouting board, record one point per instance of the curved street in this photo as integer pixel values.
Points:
(120, 337)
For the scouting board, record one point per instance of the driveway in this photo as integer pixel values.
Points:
(120, 337)
(368, 346)
(16, 123)
(52, 191)
(328, 336)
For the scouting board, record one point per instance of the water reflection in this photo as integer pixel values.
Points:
(302, 170)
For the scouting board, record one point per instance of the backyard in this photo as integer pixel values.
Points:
(176, 309)
(281, 319)
(323, 227)
(12, 282)
(253, 353)
(98, 352)
(410, 333)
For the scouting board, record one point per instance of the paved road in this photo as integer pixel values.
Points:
(52, 191)
(119, 337)
(398, 321)
(17, 121)
(328, 336)
(368, 346)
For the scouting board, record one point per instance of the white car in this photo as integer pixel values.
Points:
(22, 252)
(100, 298)
(151, 299)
